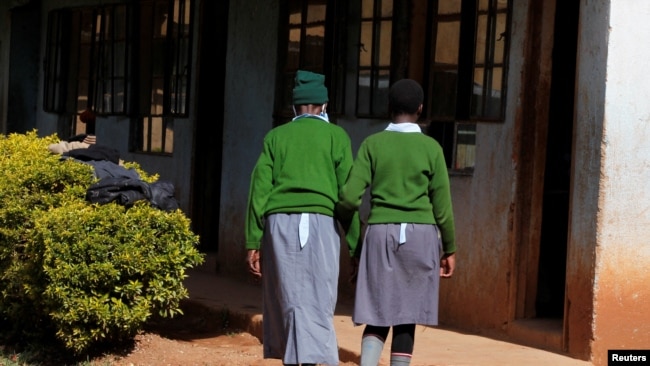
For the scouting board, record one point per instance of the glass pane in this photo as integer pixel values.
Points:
(367, 8)
(178, 96)
(483, 5)
(443, 94)
(387, 8)
(84, 61)
(316, 13)
(500, 39)
(182, 15)
(120, 22)
(363, 93)
(314, 52)
(156, 134)
(315, 32)
(106, 96)
(502, 4)
(106, 25)
(119, 94)
(478, 98)
(161, 18)
(120, 59)
(295, 12)
(82, 95)
(365, 47)
(486, 102)
(157, 96)
(447, 43)
(145, 135)
(293, 51)
(97, 27)
(497, 79)
(481, 33)
(86, 26)
(465, 146)
(380, 97)
(157, 57)
(79, 127)
(169, 137)
(449, 6)
(386, 28)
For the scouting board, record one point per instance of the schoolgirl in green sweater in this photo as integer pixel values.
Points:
(292, 234)
(409, 243)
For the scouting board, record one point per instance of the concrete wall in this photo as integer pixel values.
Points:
(5, 26)
(23, 61)
(250, 75)
(612, 221)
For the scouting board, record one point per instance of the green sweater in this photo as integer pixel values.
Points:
(409, 182)
(301, 169)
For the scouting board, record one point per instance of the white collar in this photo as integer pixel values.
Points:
(311, 115)
(404, 127)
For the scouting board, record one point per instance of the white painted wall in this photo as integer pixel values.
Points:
(622, 267)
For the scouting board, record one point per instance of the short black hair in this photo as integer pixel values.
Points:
(405, 97)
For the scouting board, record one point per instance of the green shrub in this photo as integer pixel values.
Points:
(89, 273)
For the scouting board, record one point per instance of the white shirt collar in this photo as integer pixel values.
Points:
(403, 127)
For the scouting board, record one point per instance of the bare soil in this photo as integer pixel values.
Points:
(197, 338)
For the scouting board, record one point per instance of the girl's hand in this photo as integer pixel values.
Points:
(253, 261)
(447, 265)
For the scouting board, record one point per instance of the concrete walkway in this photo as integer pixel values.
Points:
(433, 346)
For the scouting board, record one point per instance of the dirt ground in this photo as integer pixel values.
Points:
(197, 338)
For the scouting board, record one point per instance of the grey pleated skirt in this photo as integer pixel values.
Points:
(398, 283)
(300, 289)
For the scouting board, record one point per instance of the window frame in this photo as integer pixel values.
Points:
(72, 82)
(158, 118)
(80, 69)
(333, 41)
(445, 127)
(376, 67)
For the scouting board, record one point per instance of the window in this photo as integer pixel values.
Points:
(312, 37)
(164, 52)
(101, 58)
(466, 80)
(375, 40)
(305, 47)
(55, 73)
(86, 63)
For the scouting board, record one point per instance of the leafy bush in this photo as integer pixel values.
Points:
(88, 273)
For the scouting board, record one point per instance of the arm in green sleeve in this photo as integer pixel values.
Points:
(442, 206)
(260, 189)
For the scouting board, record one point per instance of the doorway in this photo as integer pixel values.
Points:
(551, 276)
(206, 171)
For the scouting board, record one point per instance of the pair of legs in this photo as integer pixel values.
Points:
(401, 350)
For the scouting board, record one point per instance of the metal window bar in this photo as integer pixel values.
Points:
(54, 75)
(489, 63)
(375, 68)
(177, 97)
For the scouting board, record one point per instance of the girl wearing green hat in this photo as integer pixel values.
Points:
(291, 221)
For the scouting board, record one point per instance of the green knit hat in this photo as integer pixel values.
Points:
(309, 88)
